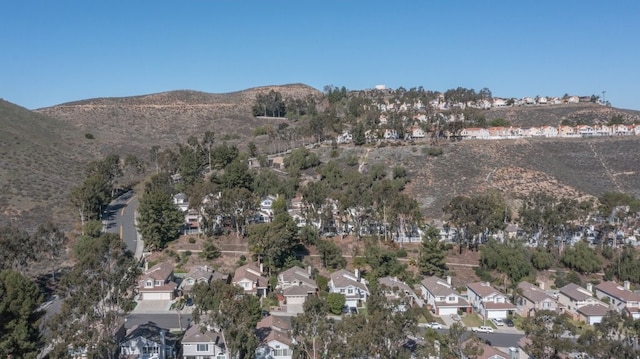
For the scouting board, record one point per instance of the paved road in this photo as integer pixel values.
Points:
(164, 320)
(119, 218)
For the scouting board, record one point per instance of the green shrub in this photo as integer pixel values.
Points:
(192, 240)
(88, 136)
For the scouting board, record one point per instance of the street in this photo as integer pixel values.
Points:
(163, 320)
(119, 218)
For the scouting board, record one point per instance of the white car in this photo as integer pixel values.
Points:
(497, 321)
(483, 329)
(434, 325)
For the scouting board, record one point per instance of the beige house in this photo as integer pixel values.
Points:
(157, 283)
(442, 297)
(532, 299)
(488, 301)
(251, 279)
(572, 296)
(296, 286)
(620, 297)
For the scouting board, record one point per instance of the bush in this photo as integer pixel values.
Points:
(401, 253)
(192, 240)
(88, 136)
(434, 151)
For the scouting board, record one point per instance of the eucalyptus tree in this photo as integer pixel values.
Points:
(97, 294)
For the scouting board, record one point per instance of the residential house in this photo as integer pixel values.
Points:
(474, 133)
(566, 131)
(345, 137)
(585, 131)
(548, 131)
(390, 134)
(488, 301)
(148, 341)
(572, 296)
(181, 200)
(573, 99)
(620, 130)
(532, 132)
(489, 352)
(442, 297)
(417, 132)
(273, 333)
(498, 132)
(397, 290)
(202, 342)
(620, 297)
(157, 283)
(296, 285)
(499, 102)
(201, 274)
(532, 298)
(592, 313)
(351, 285)
(251, 279)
(603, 130)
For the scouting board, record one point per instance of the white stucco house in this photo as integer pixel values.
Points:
(148, 341)
(442, 297)
(351, 285)
(488, 301)
(157, 283)
(202, 342)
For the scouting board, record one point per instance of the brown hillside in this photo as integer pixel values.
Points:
(553, 115)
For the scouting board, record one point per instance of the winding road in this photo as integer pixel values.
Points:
(119, 218)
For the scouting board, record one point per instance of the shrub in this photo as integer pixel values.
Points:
(192, 240)
(88, 136)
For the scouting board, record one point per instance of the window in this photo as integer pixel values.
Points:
(282, 352)
(350, 291)
(149, 283)
(341, 290)
(202, 348)
(150, 350)
(452, 299)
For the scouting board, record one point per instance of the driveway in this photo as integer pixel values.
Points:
(448, 321)
(152, 306)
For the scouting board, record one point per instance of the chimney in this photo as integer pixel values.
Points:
(590, 288)
(513, 353)
(627, 285)
(261, 268)
(356, 272)
(449, 280)
(541, 285)
(486, 284)
(309, 270)
(146, 265)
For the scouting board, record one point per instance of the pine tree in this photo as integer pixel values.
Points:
(432, 259)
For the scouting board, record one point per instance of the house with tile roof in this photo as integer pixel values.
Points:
(620, 297)
(274, 335)
(592, 313)
(250, 278)
(532, 298)
(572, 296)
(442, 297)
(488, 301)
(351, 285)
(201, 274)
(296, 285)
(157, 283)
(202, 342)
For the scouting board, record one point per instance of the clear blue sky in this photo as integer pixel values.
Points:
(58, 51)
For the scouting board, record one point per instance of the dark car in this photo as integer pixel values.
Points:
(508, 322)
(353, 310)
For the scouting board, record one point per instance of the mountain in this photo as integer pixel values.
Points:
(43, 153)
(40, 159)
(164, 119)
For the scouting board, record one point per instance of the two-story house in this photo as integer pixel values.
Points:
(532, 298)
(202, 342)
(251, 279)
(274, 337)
(397, 289)
(351, 285)
(200, 274)
(296, 285)
(488, 301)
(440, 295)
(157, 283)
(572, 296)
(148, 341)
(620, 297)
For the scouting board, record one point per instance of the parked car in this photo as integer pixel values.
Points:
(508, 322)
(456, 317)
(497, 321)
(482, 329)
(434, 325)
(353, 310)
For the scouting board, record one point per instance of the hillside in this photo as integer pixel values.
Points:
(575, 168)
(43, 152)
(553, 115)
(134, 124)
(40, 159)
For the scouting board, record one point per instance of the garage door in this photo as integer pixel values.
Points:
(447, 311)
(156, 296)
(496, 314)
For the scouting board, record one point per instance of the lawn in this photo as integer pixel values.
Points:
(471, 320)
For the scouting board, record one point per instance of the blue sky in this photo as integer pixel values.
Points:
(58, 51)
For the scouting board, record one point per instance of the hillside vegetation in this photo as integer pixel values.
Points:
(43, 153)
